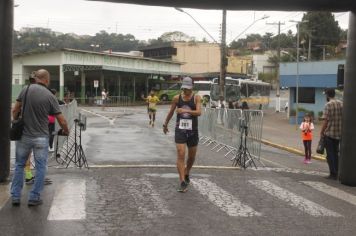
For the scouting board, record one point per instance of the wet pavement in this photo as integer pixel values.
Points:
(132, 190)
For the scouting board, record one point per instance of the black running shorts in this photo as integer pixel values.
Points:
(190, 137)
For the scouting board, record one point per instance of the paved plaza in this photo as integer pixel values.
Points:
(130, 188)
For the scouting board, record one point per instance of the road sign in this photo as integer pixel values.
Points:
(96, 83)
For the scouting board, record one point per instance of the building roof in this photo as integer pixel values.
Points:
(280, 5)
(95, 53)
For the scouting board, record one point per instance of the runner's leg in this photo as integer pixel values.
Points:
(180, 160)
(192, 151)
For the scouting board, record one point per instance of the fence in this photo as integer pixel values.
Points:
(62, 143)
(111, 101)
(227, 129)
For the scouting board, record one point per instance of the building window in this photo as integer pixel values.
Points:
(305, 95)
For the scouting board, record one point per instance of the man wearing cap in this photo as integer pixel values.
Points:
(39, 102)
(331, 131)
(187, 106)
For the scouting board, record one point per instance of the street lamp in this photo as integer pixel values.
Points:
(297, 75)
(43, 45)
(262, 18)
(181, 10)
(94, 46)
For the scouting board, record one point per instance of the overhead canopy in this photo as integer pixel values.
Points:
(264, 5)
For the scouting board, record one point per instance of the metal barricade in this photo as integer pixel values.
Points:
(70, 113)
(224, 128)
(111, 101)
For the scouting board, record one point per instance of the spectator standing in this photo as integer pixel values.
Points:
(331, 131)
(307, 127)
(40, 102)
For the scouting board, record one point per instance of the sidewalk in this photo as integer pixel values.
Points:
(277, 132)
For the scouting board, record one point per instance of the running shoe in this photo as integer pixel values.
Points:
(183, 187)
(30, 181)
(187, 179)
(309, 161)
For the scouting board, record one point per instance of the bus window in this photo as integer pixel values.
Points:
(202, 87)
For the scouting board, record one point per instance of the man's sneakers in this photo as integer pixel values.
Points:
(30, 181)
(187, 179)
(47, 181)
(16, 202)
(183, 187)
(34, 202)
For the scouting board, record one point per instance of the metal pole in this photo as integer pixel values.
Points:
(223, 55)
(347, 173)
(297, 80)
(6, 28)
(278, 102)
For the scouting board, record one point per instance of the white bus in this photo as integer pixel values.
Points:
(255, 93)
(202, 88)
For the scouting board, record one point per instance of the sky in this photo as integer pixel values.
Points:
(146, 22)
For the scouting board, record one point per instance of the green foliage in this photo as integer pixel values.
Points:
(323, 29)
(267, 77)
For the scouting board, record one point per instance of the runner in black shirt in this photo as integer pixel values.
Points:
(187, 106)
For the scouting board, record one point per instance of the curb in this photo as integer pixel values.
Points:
(291, 150)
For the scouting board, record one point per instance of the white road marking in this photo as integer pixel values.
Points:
(96, 114)
(222, 199)
(332, 191)
(290, 170)
(69, 201)
(292, 199)
(174, 175)
(4, 195)
(148, 201)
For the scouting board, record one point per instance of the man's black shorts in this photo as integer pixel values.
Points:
(190, 137)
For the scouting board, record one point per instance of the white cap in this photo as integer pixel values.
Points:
(187, 83)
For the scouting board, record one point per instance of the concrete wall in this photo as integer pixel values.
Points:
(198, 57)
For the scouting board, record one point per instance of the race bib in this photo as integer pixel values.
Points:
(186, 124)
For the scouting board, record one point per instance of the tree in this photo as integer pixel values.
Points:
(175, 36)
(322, 29)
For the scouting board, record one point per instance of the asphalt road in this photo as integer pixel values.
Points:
(131, 190)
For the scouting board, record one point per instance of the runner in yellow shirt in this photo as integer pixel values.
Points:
(152, 101)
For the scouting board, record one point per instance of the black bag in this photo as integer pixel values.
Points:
(16, 129)
(321, 146)
(17, 126)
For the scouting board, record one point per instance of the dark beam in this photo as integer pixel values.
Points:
(6, 27)
(348, 148)
(262, 5)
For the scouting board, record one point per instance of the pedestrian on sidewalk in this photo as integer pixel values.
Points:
(39, 102)
(307, 128)
(188, 107)
(331, 131)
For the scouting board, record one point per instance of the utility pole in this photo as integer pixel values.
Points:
(278, 98)
(324, 50)
(223, 59)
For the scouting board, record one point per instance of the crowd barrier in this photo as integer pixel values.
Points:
(111, 101)
(63, 143)
(230, 131)
(227, 129)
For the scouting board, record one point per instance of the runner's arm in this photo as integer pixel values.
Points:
(16, 110)
(170, 113)
(197, 111)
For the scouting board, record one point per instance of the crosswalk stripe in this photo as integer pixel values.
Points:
(4, 195)
(292, 199)
(144, 196)
(332, 191)
(69, 201)
(222, 199)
